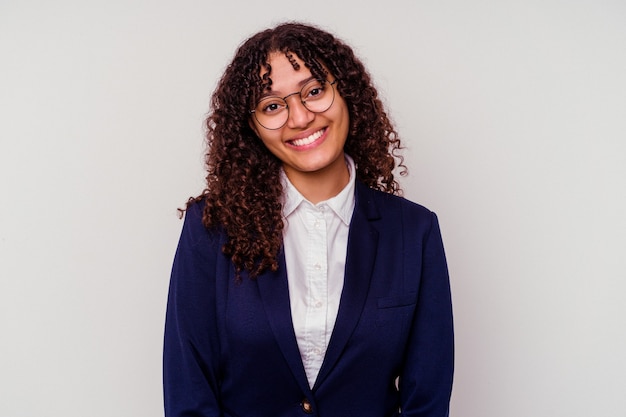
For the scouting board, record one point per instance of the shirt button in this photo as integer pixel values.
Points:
(317, 351)
(318, 304)
(317, 267)
(306, 406)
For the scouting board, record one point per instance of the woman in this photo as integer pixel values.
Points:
(302, 283)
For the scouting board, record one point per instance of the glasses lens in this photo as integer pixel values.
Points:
(317, 95)
(271, 112)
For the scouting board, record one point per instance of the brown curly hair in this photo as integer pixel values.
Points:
(243, 191)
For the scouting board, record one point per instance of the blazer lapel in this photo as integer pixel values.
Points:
(274, 292)
(360, 258)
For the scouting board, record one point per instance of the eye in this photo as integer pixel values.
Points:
(270, 108)
(271, 105)
(316, 91)
(313, 91)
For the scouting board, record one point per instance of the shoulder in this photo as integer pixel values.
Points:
(386, 203)
(194, 231)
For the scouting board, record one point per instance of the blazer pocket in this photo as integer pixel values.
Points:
(397, 300)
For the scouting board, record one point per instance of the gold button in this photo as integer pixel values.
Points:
(306, 406)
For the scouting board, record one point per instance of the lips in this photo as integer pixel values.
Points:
(307, 140)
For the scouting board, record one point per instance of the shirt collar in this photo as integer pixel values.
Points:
(342, 204)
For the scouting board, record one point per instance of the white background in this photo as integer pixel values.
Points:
(514, 118)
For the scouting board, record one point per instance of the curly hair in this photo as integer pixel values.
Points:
(243, 194)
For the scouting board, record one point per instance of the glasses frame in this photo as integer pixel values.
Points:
(332, 86)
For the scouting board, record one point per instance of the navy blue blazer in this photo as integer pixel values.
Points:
(230, 349)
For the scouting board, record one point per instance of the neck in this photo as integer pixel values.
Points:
(323, 184)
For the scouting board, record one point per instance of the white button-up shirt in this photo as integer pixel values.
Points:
(316, 240)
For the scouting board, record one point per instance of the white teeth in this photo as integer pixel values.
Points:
(308, 140)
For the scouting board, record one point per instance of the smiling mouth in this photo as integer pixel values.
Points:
(309, 139)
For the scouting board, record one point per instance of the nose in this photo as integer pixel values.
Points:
(299, 116)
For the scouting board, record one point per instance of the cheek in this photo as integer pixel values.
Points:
(343, 112)
(270, 139)
(344, 118)
(264, 135)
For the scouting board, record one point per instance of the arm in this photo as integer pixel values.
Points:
(190, 353)
(426, 379)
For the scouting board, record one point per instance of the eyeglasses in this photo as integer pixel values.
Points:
(316, 95)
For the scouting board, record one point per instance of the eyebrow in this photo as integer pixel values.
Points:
(272, 93)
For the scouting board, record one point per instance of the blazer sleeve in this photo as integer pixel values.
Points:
(190, 364)
(426, 379)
